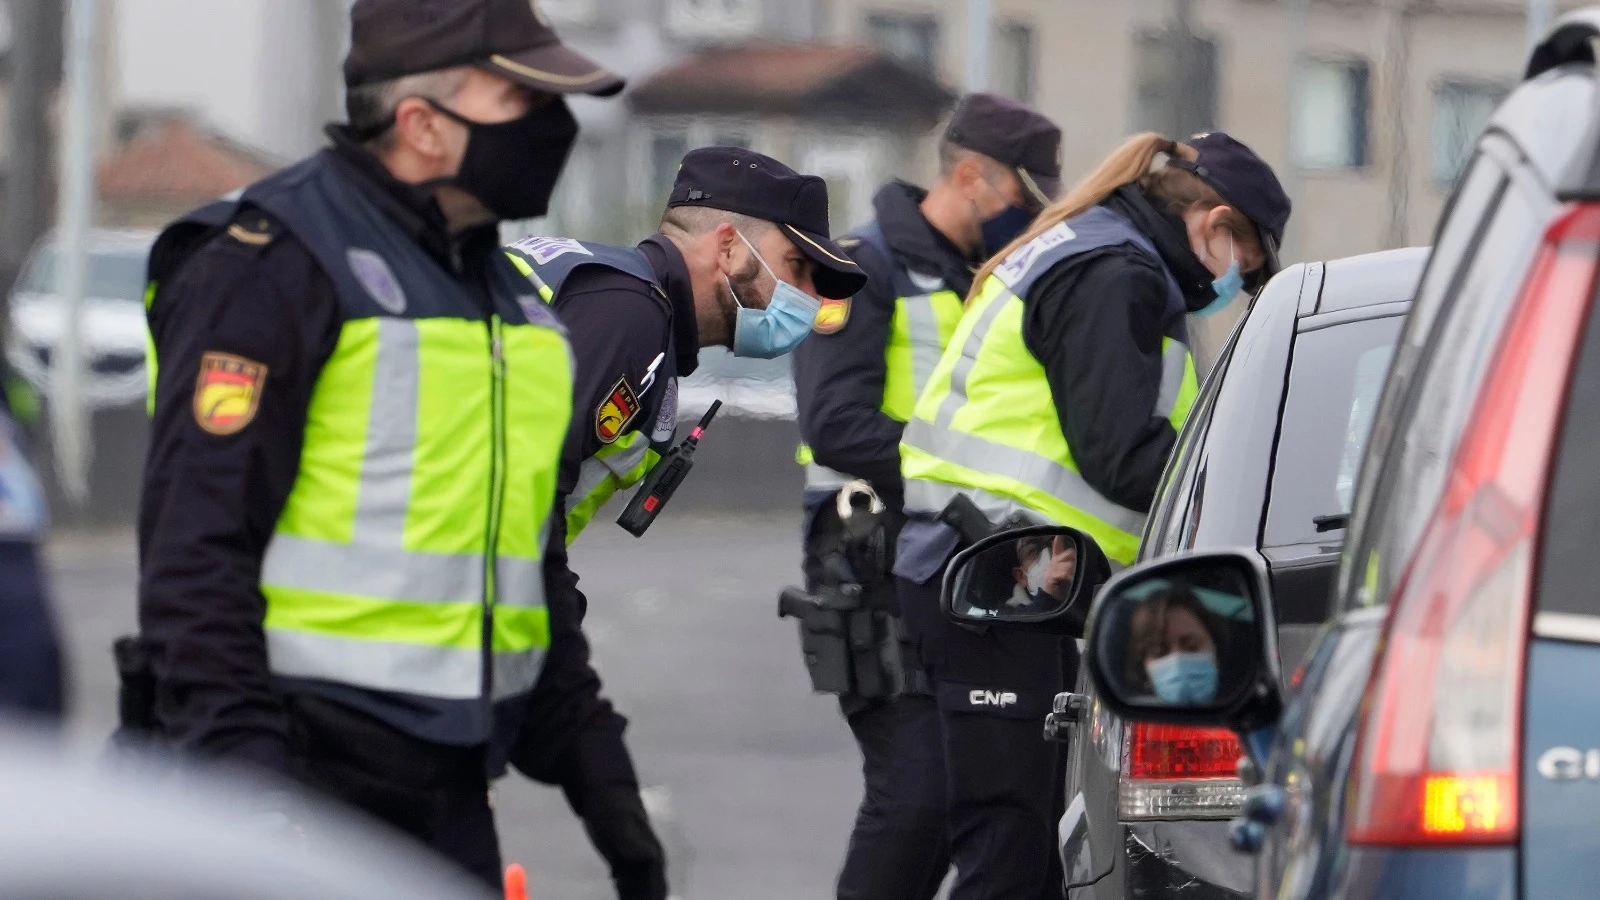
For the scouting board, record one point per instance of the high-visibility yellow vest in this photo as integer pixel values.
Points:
(548, 262)
(987, 425)
(923, 322)
(405, 572)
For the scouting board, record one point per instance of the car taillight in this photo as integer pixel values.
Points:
(1176, 772)
(1439, 745)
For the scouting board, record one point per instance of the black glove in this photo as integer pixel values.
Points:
(620, 829)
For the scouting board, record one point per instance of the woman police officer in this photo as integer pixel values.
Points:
(1058, 400)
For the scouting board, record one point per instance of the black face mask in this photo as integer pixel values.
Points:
(512, 167)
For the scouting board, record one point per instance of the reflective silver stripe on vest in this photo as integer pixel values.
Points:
(391, 439)
(451, 673)
(1174, 363)
(823, 478)
(922, 326)
(596, 469)
(388, 573)
(957, 397)
(982, 455)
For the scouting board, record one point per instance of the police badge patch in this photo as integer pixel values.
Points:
(227, 392)
(615, 412)
(831, 316)
(374, 274)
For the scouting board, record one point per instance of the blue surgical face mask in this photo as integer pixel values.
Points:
(1184, 679)
(1002, 229)
(1227, 287)
(770, 333)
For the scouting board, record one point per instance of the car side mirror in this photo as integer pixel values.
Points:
(1042, 578)
(1190, 640)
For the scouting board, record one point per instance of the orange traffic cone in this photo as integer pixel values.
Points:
(516, 882)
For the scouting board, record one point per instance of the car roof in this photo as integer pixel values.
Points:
(1371, 279)
(113, 240)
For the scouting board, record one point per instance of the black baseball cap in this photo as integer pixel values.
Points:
(1246, 182)
(1013, 135)
(745, 182)
(511, 38)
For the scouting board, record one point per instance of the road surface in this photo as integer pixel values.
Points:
(758, 778)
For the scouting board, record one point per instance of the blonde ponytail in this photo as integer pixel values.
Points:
(1126, 165)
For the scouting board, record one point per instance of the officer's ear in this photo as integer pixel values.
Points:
(726, 245)
(421, 128)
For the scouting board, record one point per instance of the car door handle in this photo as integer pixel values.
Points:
(1067, 709)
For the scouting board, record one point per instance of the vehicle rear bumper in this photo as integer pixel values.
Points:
(1187, 860)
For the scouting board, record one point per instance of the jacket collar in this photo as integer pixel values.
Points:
(1167, 232)
(915, 243)
(673, 276)
(411, 206)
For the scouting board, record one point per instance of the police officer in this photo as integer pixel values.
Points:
(742, 260)
(856, 381)
(30, 652)
(357, 429)
(1058, 400)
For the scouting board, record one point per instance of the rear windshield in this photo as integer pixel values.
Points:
(1334, 386)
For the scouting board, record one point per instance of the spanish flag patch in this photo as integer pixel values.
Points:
(227, 392)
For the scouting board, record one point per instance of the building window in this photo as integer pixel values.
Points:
(911, 39)
(1329, 128)
(1167, 99)
(1012, 64)
(713, 20)
(667, 149)
(1461, 109)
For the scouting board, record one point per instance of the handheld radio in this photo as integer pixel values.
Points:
(658, 486)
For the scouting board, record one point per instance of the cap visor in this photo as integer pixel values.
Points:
(837, 275)
(1044, 189)
(1269, 268)
(558, 69)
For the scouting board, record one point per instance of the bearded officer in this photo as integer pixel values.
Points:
(856, 381)
(742, 260)
(358, 422)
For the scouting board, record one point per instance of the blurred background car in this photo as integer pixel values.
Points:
(112, 326)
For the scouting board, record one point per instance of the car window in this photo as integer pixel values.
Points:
(1431, 410)
(1166, 525)
(112, 276)
(1334, 384)
(1572, 514)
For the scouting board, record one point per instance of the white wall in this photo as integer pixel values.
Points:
(250, 67)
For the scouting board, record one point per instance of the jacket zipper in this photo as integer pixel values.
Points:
(491, 545)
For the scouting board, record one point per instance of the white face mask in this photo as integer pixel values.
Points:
(1036, 572)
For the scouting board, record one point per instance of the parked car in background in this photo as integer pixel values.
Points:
(1441, 742)
(113, 325)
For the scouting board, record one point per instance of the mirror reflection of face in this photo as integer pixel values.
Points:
(1046, 565)
(1183, 633)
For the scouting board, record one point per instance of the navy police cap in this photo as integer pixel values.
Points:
(1246, 182)
(751, 184)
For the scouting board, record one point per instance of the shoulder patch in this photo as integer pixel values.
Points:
(254, 230)
(544, 249)
(614, 413)
(831, 316)
(227, 392)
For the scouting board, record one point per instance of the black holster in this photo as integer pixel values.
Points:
(850, 631)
